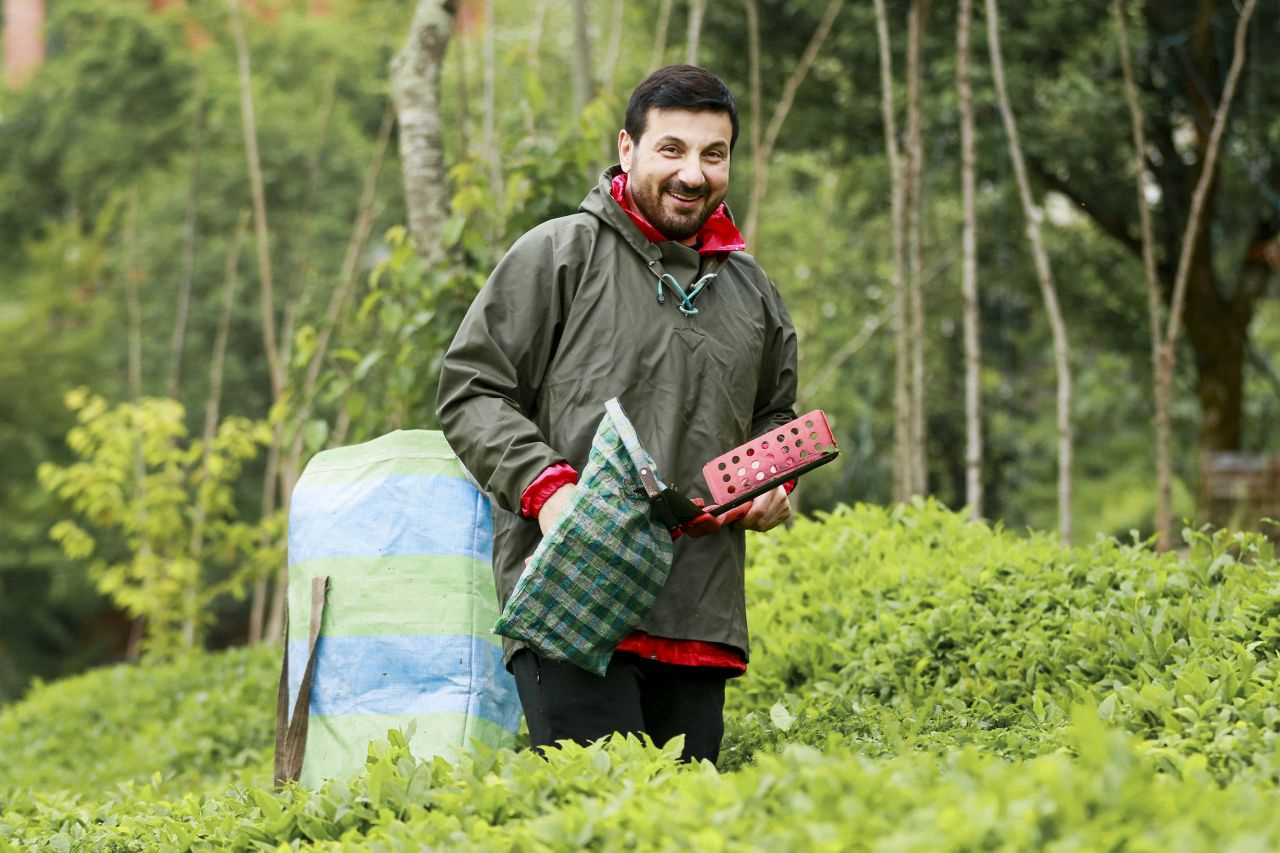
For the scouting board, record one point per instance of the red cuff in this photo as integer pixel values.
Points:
(790, 486)
(546, 485)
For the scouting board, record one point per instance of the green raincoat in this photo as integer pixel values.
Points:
(569, 319)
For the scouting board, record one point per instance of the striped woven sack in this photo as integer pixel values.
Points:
(599, 570)
(391, 597)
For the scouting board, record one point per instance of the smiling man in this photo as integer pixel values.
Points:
(646, 294)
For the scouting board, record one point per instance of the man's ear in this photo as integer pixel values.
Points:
(626, 150)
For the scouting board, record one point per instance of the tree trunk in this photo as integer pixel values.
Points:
(212, 413)
(254, 165)
(969, 278)
(583, 85)
(1164, 463)
(1219, 357)
(133, 303)
(696, 10)
(903, 455)
(178, 337)
(492, 150)
(133, 306)
(755, 95)
(338, 300)
(660, 35)
(919, 10)
(264, 591)
(1047, 288)
(761, 155)
(464, 100)
(415, 85)
(535, 49)
(614, 50)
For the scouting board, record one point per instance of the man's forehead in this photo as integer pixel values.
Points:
(706, 125)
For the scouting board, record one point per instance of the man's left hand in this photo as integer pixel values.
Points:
(767, 511)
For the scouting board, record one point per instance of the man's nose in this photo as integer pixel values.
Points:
(690, 173)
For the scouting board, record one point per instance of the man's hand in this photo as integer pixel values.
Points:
(767, 511)
(555, 506)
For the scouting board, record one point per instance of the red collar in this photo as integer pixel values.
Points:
(718, 233)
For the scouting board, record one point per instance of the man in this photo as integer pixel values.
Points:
(645, 295)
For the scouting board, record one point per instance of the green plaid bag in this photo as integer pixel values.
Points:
(600, 569)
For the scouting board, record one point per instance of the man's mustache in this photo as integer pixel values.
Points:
(684, 189)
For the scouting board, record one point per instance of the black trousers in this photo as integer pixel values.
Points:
(637, 695)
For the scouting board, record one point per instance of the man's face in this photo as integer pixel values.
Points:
(678, 170)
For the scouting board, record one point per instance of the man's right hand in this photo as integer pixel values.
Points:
(555, 506)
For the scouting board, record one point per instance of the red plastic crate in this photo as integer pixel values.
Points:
(770, 460)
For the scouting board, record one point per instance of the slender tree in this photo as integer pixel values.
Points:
(697, 8)
(266, 299)
(1164, 344)
(614, 49)
(535, 59)
(903, 454)
(1164, 485)
(969, 277)
(133, 307)
(178, 338)
(1043, 272)
(492, 150)
(253, 163)
(366, 213)
(761, 153)
(584, 84)
(415, 85)
(916, 15)
(212, 413)
(660, 35)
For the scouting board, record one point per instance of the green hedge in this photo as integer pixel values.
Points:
(911, 624)
(198, 724)
(918, 682)
(629, 795)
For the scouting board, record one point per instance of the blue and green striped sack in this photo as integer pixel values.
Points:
(402, 636)
(600, 569)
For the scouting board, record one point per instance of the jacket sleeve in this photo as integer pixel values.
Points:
(776, 390)
(492, 373)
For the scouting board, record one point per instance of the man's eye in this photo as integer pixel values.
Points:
(714, 155)
(669, 149)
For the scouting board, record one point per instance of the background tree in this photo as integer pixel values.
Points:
(116, 106)
(415, 82)
(969, 282)
(1044, 274)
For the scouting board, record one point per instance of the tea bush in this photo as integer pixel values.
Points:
(910, 624)
(195, 724)
(918, 682)
(625, 794)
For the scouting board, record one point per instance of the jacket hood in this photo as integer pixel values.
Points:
(600, 204)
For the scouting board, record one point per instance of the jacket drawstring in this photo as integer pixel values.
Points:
(686, 299)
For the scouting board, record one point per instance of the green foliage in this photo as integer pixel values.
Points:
(910, 626)
(627, 794)
(918, 682)
(161, 508)
(114, 109)
(198, 723)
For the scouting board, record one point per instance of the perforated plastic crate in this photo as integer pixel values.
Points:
(770, 460)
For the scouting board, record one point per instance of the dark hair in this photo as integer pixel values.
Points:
(679, 87)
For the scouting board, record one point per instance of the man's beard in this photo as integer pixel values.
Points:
(677, 227)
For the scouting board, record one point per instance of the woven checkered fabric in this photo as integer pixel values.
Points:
(599, 570)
